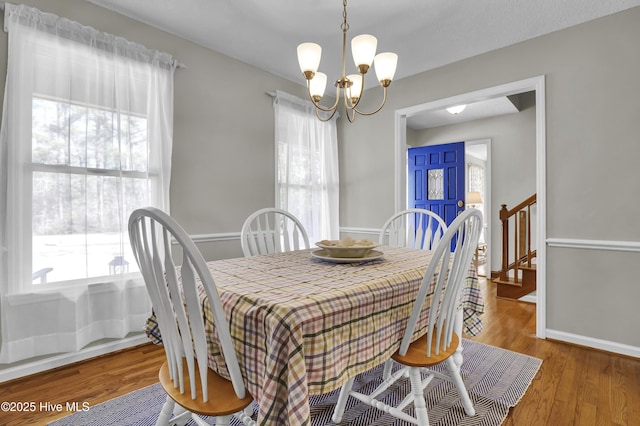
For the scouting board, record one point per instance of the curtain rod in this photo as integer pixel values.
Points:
(178, 64)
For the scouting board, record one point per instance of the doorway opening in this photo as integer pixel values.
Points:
(536, 85)
(478, 181)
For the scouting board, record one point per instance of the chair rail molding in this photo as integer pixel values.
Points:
(364, 231)
(220, 236)
(577, 243)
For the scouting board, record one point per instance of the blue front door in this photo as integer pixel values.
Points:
(436, 179)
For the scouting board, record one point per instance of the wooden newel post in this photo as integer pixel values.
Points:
(504, 217)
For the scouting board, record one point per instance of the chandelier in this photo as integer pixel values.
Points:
(363, 49)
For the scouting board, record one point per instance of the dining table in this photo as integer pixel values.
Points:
(302, 324)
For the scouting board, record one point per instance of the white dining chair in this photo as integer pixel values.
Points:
(185, 376)
(272, 230)
(448, 269)
(413, 228)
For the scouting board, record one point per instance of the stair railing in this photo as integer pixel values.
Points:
(522, 253)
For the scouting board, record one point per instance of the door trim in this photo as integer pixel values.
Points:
(536, 84)
(487, 197)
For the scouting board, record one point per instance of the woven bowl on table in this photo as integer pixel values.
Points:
(333, 249)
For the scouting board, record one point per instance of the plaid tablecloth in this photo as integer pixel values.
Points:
(304, 326)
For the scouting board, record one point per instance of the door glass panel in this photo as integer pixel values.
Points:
(435, 184)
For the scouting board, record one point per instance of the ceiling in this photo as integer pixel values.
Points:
(474, 111)
(424, 34)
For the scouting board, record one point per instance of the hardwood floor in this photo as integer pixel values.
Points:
(575, 385)
(92, 381)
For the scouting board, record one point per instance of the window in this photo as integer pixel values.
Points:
(307, 182)
(86, 138)
(476, 178)
(89, 172)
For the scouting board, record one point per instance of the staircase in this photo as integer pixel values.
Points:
(517, 278)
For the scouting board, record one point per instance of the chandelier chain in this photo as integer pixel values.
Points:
(345, 24)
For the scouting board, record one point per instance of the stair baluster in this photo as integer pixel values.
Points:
(514, 286)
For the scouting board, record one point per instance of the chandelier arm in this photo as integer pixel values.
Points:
(351, 114)
(345, 99)
(384, 99)
(328, 118)
(317, 104)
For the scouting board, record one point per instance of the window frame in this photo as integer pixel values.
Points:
(20, 247)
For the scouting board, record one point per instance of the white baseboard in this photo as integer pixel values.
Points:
(48, 363)
(605, 345)
(531, 298)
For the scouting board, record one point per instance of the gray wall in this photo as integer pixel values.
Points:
(593, 123)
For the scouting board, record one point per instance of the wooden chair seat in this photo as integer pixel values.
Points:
(222, 399)
(416, 355)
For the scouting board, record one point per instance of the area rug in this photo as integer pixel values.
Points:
(495, 378)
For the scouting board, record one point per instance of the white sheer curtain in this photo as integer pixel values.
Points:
(307, 182)
(86, 138)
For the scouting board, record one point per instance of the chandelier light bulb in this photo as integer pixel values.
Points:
(309, 55)
(363, 49)
(385, 64)
(317, 85)
(356, 87)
